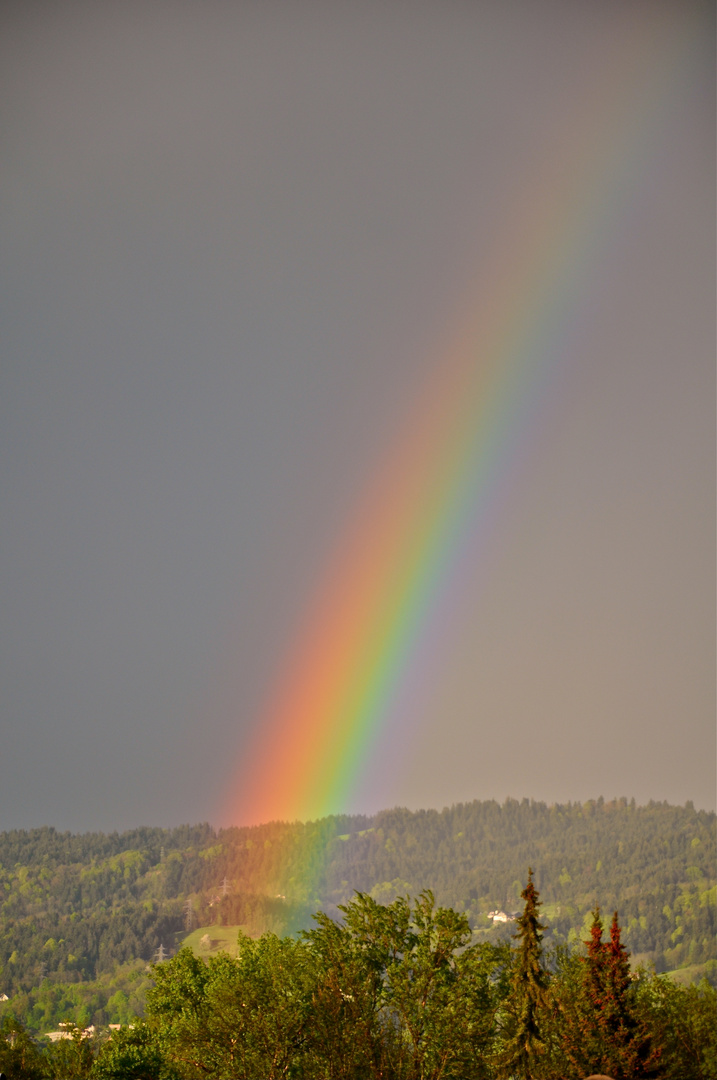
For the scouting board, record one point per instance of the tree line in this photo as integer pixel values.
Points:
(77, 910)
(398, 991)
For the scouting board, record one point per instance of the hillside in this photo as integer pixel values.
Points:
(80, 908)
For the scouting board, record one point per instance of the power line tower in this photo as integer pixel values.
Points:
(225, 888)
(161, 954)
(188, 916)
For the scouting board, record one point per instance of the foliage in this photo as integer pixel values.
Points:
(603, 1025)
(133, 1053)
(398, 992)
(243, 1017)
(683, 1025)
(115, 998)
(403, 992)
(627, 1051)
(81, 917)
(19, 1055)
(524, 1048)
(70, 1058)
(392, 991)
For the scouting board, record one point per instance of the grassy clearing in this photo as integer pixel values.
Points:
(694, 973)
(210, 940)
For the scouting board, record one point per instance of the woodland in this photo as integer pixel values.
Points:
(84, 918)
(396, 992)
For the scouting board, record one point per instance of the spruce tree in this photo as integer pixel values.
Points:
(524, 1049)
(629, 1053)
(611, 1038)
(595, 961)
(616, 977)
(590, 1037)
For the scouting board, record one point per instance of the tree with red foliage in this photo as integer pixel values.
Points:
(615, 1036)
(595, 965)
(590, 1036)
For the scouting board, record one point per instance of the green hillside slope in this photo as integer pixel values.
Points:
(77, 909)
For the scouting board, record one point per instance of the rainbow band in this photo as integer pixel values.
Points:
(437, 486)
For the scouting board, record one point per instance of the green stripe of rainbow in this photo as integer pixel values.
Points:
(401, 547)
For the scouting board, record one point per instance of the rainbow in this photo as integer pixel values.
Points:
(440, 483)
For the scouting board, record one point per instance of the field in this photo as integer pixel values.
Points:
(210, 940)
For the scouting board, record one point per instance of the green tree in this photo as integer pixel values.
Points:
(442, 994)
(524, 1051)
(403, 993)
(242, 1018)
(566, 1029)
(20, 1058)
(682, 1021)
(70, 1058)
(346, 1033)
(132, 1053)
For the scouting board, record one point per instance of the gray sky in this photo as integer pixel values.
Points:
(235, 237)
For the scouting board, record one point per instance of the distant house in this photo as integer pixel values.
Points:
(68, 1032)
(500, 916)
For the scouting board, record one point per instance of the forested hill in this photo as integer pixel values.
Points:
(76, 906)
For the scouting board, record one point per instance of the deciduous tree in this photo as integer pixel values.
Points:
(19, 1055)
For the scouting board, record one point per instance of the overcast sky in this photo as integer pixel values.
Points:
(235, 239)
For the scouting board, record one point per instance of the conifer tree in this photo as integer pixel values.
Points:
(524, 1049)
(588, 1040)
(595, 971)
(628, 1051)
(611, 1036)
(616, 978)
